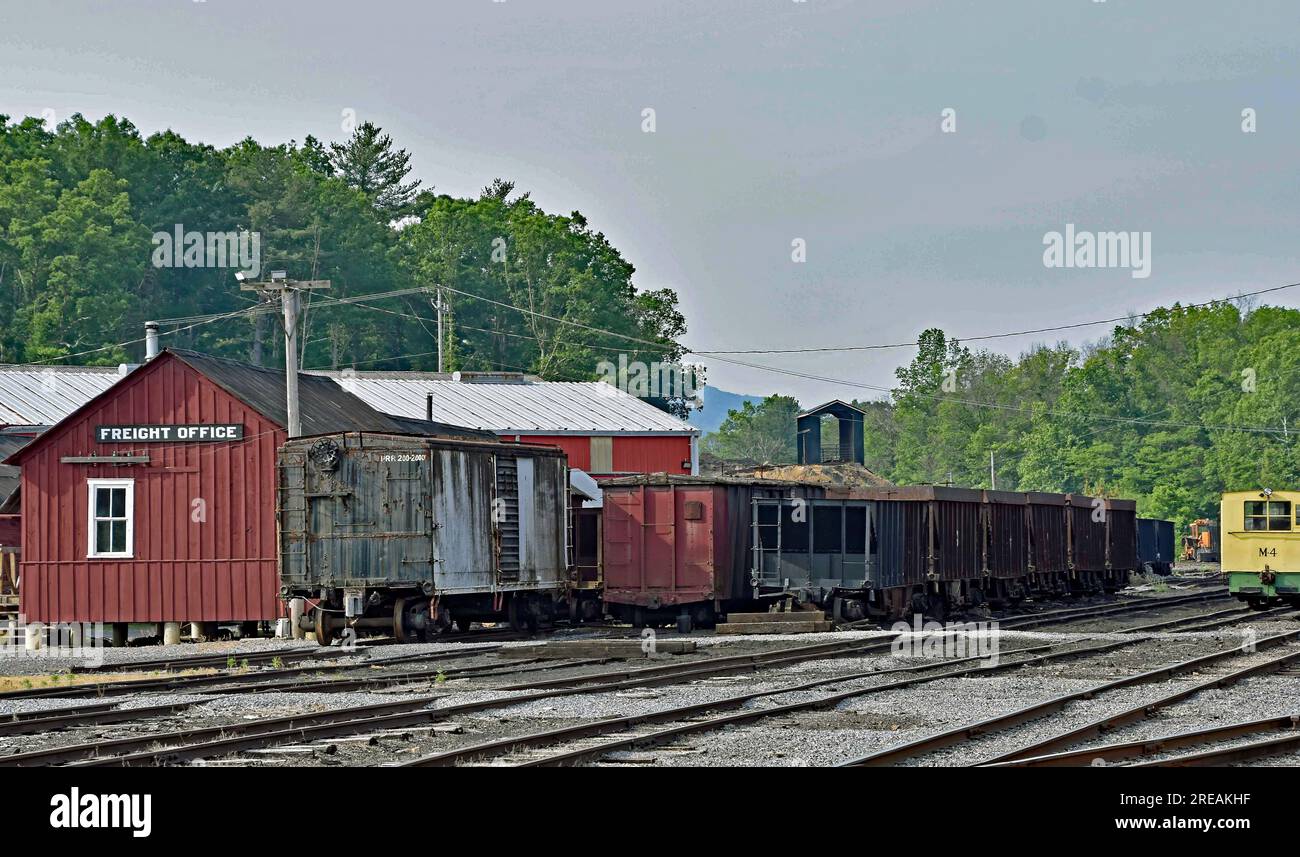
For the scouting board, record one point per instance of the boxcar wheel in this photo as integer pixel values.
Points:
(325, 630)
(399, 623)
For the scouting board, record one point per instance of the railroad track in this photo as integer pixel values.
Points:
(1037, 711)
(1141, 748)
(622, 733)
(243, 681)
(190, 744)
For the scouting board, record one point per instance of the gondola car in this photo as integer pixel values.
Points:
(1260, 546)
(414, 533)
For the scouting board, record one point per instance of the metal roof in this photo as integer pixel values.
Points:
(516, 406)
(44, 395)
(322, 406)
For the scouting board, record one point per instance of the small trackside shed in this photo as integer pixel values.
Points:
(155, 500)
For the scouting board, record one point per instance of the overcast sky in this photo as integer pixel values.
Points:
(774, 120)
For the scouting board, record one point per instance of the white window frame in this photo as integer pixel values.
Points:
(91, 486)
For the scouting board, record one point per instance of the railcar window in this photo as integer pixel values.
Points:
(1272, 515)
(767, 530)
(826, 529)
(855, 529)
(794, 534)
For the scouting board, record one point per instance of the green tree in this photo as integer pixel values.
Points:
(369, 163)
(763, 433)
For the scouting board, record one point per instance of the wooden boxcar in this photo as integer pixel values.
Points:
(415, 533)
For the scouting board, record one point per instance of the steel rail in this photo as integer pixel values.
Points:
(54, 721)
(1225, 755)
(1138, 712)
(343, 721)
(1038, 710)
(1124, 750)
(617, 724)
(757, 660)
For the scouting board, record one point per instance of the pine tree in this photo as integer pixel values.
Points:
(369, 163)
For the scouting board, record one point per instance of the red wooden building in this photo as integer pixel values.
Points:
(155, 500)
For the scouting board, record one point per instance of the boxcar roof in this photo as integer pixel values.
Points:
(686, 479)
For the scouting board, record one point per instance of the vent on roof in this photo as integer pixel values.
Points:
(489, 377)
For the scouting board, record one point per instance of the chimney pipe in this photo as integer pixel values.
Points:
(428, 407)
(150, 340)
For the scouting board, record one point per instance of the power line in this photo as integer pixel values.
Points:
(985, 337)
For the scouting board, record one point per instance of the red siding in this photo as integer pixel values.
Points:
(221, 569)
(632, 453)
(654, 554)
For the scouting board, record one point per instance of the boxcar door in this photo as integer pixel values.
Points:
(463, 503)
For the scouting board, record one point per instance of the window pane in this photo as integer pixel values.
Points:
(826, 529)
(101, 536)
(1280, 523)
(1279, 507)
(1254, 507)
(794, 534)
(1256, 523)
(855, 529)
(119, 502)
(119, 536)
(101, 503)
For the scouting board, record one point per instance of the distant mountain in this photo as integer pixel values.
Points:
(716, 404)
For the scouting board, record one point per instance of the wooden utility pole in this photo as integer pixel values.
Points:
(289, 292)
(439, 307)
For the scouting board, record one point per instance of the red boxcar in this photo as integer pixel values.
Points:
(681, 545)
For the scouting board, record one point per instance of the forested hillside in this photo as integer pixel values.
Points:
(1172, 411)
(79, 206)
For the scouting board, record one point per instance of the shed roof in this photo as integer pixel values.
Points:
(835, 406)
(324, 406)
(44, 395)
(516, 406)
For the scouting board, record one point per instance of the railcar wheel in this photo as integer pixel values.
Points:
(325, 629)
(684, 624)
(463, 625)
(399, 620)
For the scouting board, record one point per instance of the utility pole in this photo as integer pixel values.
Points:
(993, 474)
(439, 307)
(289, 292)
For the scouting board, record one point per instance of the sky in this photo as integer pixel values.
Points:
(917, 151)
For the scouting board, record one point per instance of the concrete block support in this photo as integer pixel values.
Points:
(171, 633)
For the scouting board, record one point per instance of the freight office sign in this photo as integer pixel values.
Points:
(168, 434)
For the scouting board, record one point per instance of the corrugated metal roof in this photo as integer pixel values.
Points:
(44, 395)
(512, 407)
(323, 407)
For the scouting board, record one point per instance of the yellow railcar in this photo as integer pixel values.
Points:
(1260, 545)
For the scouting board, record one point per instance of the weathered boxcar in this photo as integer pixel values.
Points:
(414, 533)
(1155, 545)
(1121, 543)
(679, 546)
(1049, 542)
(1006, 545)
(1103, 542)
